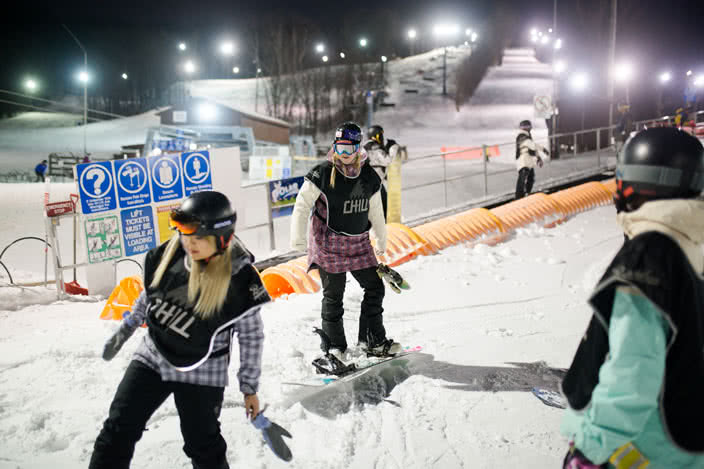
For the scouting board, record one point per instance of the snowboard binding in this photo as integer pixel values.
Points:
(392, 278)
(329, 364)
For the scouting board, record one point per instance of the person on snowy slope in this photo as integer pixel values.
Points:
(380, 155)
(636, 382)
(344, 196)
(526, 159)
(201, 288)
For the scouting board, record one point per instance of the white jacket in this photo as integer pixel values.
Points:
(680, 219)
(379, 159)
(305, 201)
(528, 152)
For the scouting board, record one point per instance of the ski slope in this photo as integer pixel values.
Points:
(459, 403)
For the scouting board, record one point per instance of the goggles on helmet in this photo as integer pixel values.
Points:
(189, 228)
(346, 148)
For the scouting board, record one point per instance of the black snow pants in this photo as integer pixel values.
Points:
(526, 178)
(139, 394)
(371, 320)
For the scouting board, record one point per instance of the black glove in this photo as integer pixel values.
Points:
(273, 435)
(389, 143)
(117, 340)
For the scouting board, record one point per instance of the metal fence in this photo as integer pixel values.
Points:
(437, 183)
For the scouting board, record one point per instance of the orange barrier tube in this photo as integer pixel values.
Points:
(477, 224)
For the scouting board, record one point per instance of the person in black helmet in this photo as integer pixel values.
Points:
(200, 289)
(381, 154)
(344, 196)
(527, 158)
(636, 382)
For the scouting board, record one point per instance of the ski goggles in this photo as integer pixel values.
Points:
(346, 148)
(183, 228)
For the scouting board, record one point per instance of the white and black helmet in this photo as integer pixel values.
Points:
(212, 214)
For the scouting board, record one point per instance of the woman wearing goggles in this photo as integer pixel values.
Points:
(344, 195)
(201, 289)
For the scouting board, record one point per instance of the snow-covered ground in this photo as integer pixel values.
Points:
(493, 321)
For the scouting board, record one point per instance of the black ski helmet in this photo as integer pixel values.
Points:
(525, 125)
(348, 131)
(212, 213)
(376, 133)
(659, 163)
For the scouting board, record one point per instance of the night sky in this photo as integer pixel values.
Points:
(141, 38)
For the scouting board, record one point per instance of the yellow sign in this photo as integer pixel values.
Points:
(162, 215)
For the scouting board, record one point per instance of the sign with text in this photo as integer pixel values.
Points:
(165, 173)
(95, 185)
(132, 182)
(196, 172)
(283, 195)
(103, 239)
(162, 215)
(138, 230)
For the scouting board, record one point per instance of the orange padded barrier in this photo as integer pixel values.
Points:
(475, 225)
(122, 297)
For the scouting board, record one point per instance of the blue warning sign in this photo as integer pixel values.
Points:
(165, 173)
(196, 172)
(138, 230)
(95, 184)
(132, 182)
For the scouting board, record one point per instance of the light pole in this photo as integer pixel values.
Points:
(579, 84)
(85, 89)
(383, 61)
(412, 39)
(612, 54)
(623, 73)
(444, 31)
(664, 78)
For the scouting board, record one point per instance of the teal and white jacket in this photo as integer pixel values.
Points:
(638, 374)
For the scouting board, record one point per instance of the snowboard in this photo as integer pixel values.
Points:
(354, 368)
(550, 398)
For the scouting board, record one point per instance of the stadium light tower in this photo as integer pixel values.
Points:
(227, 48)
(182, 46)
(445, 32)
(624, 74)
(412, 34)
(320, 48)
(85, 89)
(363, 42)
(31, 85)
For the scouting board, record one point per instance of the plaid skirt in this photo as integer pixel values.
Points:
(336, 252)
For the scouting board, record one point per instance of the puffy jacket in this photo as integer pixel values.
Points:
(380, 157)
(527, 150)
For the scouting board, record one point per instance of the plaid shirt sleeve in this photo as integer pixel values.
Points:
(250, 335)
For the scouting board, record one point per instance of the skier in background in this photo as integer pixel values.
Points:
(526, 159)
(380, 157)
(636, 382)
(344, 196)
(205, 278)
(40, 171)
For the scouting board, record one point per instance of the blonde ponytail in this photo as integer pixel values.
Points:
(207, 283)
